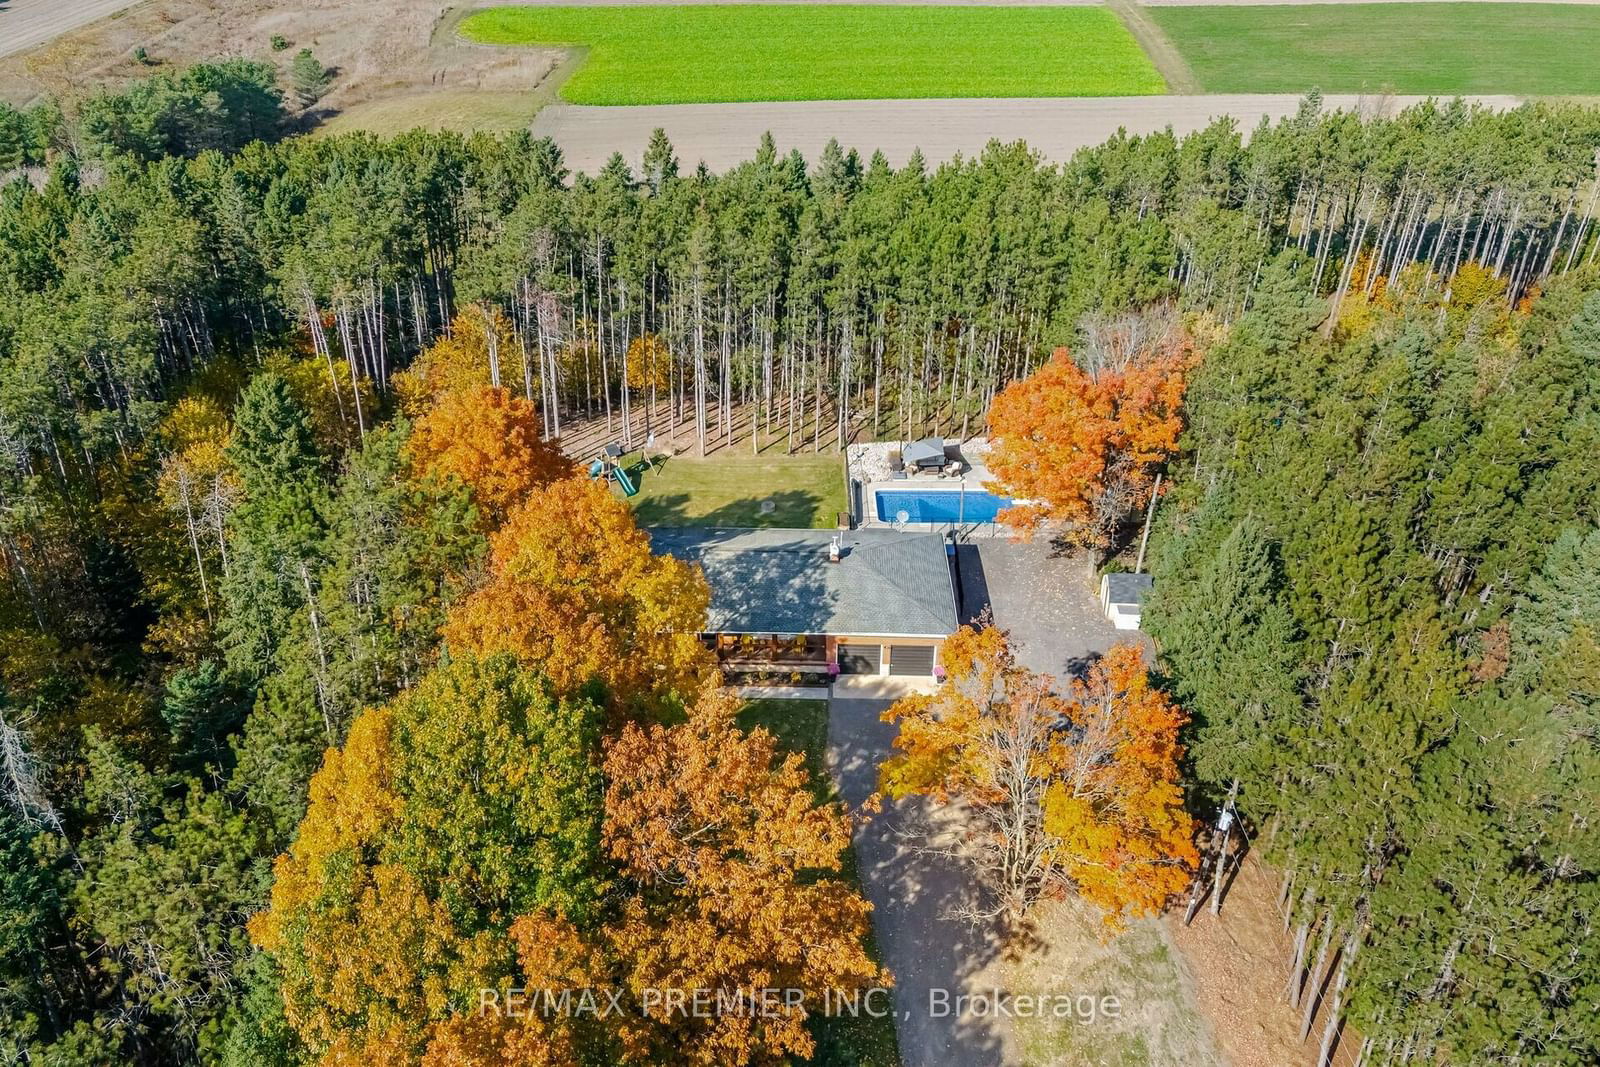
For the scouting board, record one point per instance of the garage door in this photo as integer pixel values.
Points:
(910, 659)
(860, 659)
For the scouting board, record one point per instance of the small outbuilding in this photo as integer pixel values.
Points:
(1122, 598)
(927, 454)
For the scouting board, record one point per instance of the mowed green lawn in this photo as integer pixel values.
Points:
(703, 54)
(1522, 49)
(729, 489)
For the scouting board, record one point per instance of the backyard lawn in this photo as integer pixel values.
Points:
(713, 53)
(1521, 49)
(729, 490)
(802, 726)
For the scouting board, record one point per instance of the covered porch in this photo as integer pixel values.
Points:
(744, 653)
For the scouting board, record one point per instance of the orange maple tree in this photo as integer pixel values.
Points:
(1115, 803)
(502, 1031)
(1067, 790)
(734, 889)
(489, 438)
(574, 590)
(1080, 447)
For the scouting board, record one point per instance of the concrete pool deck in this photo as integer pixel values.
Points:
(871, 472)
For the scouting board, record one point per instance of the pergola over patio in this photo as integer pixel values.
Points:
(927, 454)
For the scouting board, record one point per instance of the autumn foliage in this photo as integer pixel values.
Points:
(1116, 805)
(732, 873)
(488, 438)
(469, 798)
(1081, 446)
(479, 352)
(477, 833)
(574, 590)
(460, 841)
(197, 483)
(649, 362)
(1076, 789)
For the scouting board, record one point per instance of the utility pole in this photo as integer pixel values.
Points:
(1144, 538)
(1219, 851)
(1224, 828)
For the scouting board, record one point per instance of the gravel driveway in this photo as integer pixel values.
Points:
(1048, 604)
(913, 895)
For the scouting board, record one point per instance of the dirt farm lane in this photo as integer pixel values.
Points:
(723, 135)
(27, 23)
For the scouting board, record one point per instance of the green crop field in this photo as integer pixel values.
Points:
(1522, 49)
(705, 54)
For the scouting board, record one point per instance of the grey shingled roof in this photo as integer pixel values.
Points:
(928, 450)
(1124, 588)
(889, 583)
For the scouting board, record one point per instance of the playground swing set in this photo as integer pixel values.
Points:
(609, 465)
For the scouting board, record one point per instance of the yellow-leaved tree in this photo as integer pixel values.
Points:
(479, 351)
(468, 843)
(1066, 790)
(574, 589)
(488, 438)
(731, 875)
(324, 389)
(469, 799)
(198, 487)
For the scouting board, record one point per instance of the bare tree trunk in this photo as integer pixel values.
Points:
(1335, 1013)
(323, 697)
(1311, 993)
(194, 540)
(1225, 829)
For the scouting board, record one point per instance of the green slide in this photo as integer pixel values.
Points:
(628, 488)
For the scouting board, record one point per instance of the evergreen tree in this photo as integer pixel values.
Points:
(1561, 598)
(202, 707)
(270, 610)
(39, 979)
(1217, 612)
(309, 77)
(399, 551)
(660, 165)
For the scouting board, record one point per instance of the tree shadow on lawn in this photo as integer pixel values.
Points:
(792, 508)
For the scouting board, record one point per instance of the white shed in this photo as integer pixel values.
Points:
(1122, 598)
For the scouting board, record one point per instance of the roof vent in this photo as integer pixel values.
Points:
(835, 550)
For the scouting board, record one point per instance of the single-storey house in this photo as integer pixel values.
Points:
(1122, 598)
(810, 601)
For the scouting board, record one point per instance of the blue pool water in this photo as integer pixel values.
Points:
(939, 505)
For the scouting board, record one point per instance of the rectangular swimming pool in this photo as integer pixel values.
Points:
(938, 505)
